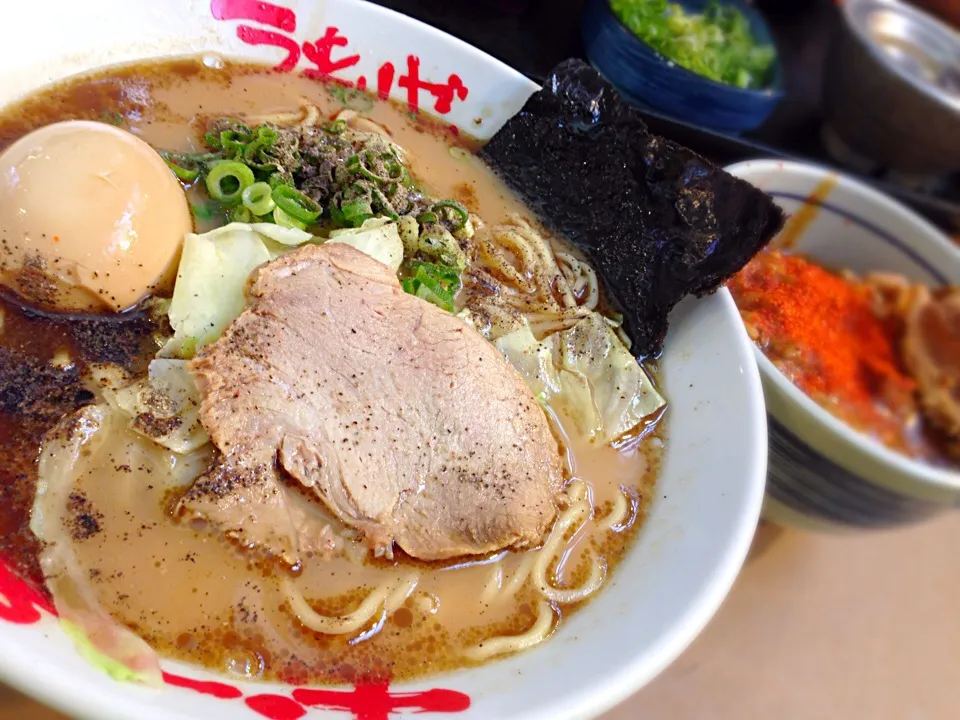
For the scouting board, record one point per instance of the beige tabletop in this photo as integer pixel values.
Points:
(860, 627)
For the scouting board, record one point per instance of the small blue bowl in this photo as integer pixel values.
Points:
(649, 80)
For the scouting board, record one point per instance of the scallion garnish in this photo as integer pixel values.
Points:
(457, 210)
(334, 127)
(183, 166)
(258, 198)
(240, 213)
(432, 282)
(284, 220)
(294, 203)
(352, 98)
(227, 179)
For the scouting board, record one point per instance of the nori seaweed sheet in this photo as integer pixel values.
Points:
(657, 221)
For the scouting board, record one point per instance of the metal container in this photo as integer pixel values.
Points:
(892, 89)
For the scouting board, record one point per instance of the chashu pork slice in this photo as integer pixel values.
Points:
(931, 352)
(403, 421)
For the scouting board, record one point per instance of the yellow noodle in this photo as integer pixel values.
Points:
(501, 645)
(582, 279)
(519, 578)
(573, 516)
(566, 596)
(536, 273)
(382, 595)
(576, 491)
(619, 514)
(493, 584)
(404, 588)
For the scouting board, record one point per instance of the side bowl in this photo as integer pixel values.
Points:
(650, 80)
(710, 490)
(889, 54)
(824, 475)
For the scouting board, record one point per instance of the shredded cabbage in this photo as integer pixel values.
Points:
(589, 373)
(377, 237)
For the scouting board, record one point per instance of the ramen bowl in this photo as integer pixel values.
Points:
(824, 475)
(710, 488)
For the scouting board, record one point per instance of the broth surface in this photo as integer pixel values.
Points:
(188, 593)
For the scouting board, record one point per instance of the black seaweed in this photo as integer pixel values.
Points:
(657, 221)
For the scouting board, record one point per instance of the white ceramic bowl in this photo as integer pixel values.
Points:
(708, 497)
(823, 474)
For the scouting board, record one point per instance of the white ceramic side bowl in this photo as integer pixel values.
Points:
(708, 497)
(823, 474)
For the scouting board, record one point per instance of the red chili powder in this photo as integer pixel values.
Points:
(822, 331)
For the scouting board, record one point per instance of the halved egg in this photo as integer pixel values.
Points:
(91, 217)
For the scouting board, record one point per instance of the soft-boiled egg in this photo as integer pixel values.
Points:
(91, 217)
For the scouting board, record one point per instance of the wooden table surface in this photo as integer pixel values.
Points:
(858, 627)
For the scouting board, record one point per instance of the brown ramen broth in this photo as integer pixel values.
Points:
(188, 593)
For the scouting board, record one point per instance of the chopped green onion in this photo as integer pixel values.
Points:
(356, 212)
(258, 198)
(202, 211)
(185, 168)
(278, 179)
(445, 273)
(283, 220)
(352, 98)
(240, 213)
(385, 205)
(227, 179)
(716, 42)
(337, 216)
(457, 208)
(434, 283)
(426, 217)
(295, 204)
(266, 135)
(334, 127)
(113, 117)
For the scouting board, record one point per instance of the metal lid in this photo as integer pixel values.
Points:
(919, 48)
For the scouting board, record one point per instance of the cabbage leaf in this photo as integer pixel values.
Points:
(209, 292)
(586, 372)
(69, 450)
(623, 394)
(164, 406)
(377, 237)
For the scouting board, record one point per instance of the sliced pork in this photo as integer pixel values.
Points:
(403, 421)
(931, 352)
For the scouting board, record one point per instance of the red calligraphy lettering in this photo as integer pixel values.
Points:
(259, 12)
(320, 53)
(206, 687)
(376, 702)
(275, 707)
(444, 93)
(256, 36)
(20, 602)
(385, 80)
(265, 13)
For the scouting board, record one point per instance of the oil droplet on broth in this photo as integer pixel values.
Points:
(244, 663)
